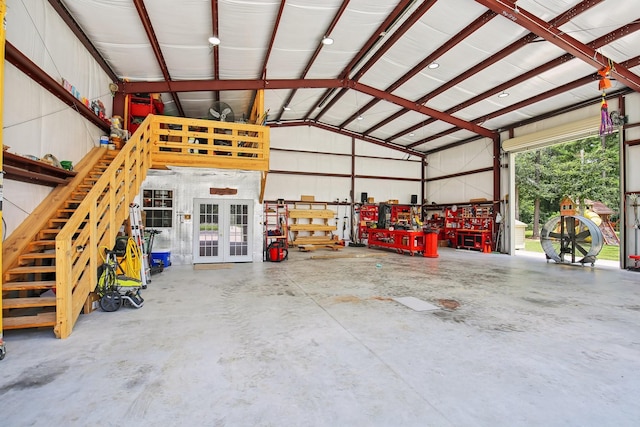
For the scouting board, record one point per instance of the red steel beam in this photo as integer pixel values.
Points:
(332, 25)
(38, 75)
(558, 21)
(403, 102)
(217, 85)
(406, 26)
(276, 25)
(397, 35)
(599, 42)
(216, 52)
(82, 37)
(377, 36)
(554, 35)
(633, 62)
(444, 48)
(151, 35)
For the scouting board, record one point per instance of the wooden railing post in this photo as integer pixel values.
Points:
(64, 289)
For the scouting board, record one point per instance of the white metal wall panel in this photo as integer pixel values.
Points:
(36, 122)
(461, 189)
(193, 183)
(309, 162)
(309, 138)
(291, 187)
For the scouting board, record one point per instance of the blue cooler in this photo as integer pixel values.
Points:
(156, 257)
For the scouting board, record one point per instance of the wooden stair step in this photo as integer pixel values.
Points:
(32, 269)
(23, 322)
(42, 243)
(37, 255)
(28, 302)
(58, 222)
(48, 232)
(28, 286)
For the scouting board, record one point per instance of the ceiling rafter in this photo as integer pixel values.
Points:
(377, 36)
(590, 79)
(203, 85)
(274, 32)
(599, 42)
(554, 113)
(557, 37)
(444, 48)
(333, 24)
(403, 102)
(151, 35)
(213, 85)
(393, 39)
(62, 11)
(513, 47)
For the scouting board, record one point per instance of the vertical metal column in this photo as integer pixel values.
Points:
(3, 10)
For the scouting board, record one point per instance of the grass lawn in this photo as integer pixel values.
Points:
(610, 253)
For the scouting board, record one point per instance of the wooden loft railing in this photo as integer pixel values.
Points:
(159, 142)
(207, 143)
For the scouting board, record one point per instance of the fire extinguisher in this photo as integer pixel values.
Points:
(276, 252)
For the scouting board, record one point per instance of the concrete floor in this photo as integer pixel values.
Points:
(319, 342)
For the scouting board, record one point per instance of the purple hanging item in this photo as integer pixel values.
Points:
(606, 125)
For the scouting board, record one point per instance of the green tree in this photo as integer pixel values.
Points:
(585, 169)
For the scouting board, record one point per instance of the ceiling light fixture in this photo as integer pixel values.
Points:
(433, 66)
(326, 40)
(359, 118)
(214, 40)
(286, 108)
(503, 94)
(412, 134)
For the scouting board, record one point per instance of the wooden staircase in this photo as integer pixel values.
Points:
(58, 246)
(28, 288)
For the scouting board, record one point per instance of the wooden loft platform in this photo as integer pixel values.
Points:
(208, 144)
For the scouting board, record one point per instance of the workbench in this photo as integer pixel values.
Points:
(401, 240)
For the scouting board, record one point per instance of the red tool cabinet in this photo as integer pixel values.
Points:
(368, 216)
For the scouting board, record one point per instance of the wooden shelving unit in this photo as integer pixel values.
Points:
(276, 224)
(310, 224)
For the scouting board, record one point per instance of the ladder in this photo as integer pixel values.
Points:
(137, 233)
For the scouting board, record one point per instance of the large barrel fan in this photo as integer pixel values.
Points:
(571, 238)
(221, 111)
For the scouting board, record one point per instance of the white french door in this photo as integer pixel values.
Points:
(222, 231)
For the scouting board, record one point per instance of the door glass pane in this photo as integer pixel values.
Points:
(209, 230)
(238, 230)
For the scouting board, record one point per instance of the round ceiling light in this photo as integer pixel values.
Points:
(327, 40)
(214, 40)
(503, 94)
(433, 66)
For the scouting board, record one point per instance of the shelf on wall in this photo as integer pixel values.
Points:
(20, 168)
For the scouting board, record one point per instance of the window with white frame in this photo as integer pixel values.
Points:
(158, 208)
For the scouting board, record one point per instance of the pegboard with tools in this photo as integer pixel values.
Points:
(470, 227)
